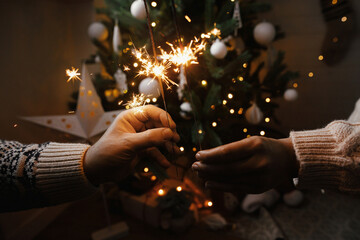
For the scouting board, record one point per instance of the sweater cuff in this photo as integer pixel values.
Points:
(59, 173)
(316, 151)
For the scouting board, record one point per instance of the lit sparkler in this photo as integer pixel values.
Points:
(137, 101)
(73, 74)
(185, 56)
(153, 68)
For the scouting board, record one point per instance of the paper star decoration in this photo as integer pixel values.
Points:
(89, 119)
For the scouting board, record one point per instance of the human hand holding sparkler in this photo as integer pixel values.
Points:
(134, 132)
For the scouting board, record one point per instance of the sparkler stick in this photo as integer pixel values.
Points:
(155, 56)
(183, 65)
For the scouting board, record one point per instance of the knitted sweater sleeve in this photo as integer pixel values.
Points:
(38, 175)
(330, 157)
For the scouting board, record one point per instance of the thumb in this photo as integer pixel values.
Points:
(152, 138)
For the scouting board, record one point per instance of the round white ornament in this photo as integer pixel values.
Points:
(138, 10)
(254, 115)
(293, 198)
(218, 49)
(150, 87)
(98, 31)
(185, 110)
(264, 33)
(290, 95)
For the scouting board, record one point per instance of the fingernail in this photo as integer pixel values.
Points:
(198, 155)
(195, 166)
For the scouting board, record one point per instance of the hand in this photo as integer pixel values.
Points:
(133, 132)
(252, 165)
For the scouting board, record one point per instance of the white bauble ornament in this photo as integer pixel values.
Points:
(98, 31)
(290, 95)
(218, 49)
(185, 110)
(150, 87)
(264, 33)
(293, 198)
(117, 41)
(138, 10)
(254, 115)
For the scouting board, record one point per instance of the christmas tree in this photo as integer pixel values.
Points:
(227, 95)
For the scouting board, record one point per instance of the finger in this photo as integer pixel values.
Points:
(155, 154)
(171, 147)
(152, 138)
(231, 152)
(231, 187)
(155, 117)
(226, 170)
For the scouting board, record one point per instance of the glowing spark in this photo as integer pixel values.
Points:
(216, 32)
(185, 56)
(126, 68)
(72, 74)
(152, 68)
(187, 18)
(137, 101)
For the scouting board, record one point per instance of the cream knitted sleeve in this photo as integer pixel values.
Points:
(38, 175)
(330, 157)
(59, 173)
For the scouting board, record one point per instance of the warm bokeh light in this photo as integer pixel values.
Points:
(179, 188)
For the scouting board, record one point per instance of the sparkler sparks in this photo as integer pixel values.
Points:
(138, 100)
(73, 74)
(151, 67)
(185, 56)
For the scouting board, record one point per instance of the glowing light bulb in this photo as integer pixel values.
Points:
(208, 203)
(204, 82)
(240, 111)
(241, 79)
(295, 85)
(194, 149)
(179, 188)
(214, 124)
(245, 65)
(182, 149)
(148, 100)
(200, 131)
(153, 4)
(153, 178)
(232, 111)
(344, 19)
(187, 18)
(245, 130)
(230, 96)
(267, 119)
(153, 24)
(262, 133)
(334, 2)
(161, 192)
(154, 99)
(321, 57)
(146, 169)
(311, 74)
(135, 64)
(267, 100)
(224, 102)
